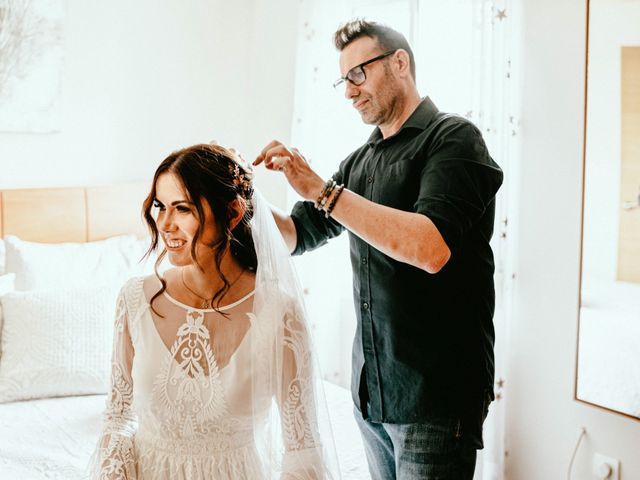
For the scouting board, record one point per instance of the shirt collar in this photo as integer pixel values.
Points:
(421, 117)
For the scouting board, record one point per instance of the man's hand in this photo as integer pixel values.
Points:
(307, 183)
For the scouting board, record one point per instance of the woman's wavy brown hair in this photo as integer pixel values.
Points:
(212, 174)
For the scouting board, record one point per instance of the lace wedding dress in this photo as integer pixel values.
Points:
(200, 394)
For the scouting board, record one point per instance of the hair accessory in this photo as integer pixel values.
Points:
(242, 177)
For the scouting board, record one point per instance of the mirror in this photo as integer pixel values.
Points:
(608, 360)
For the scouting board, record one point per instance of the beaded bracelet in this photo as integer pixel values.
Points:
(328, 197)
(325, 199)
(324, 194)
(332, 203)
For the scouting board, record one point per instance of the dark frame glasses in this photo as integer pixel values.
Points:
(357, 75)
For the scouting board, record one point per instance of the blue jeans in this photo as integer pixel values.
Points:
(427, 451)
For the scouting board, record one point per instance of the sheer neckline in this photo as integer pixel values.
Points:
(222, 308)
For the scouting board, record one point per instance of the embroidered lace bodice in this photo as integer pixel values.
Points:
(185, 400)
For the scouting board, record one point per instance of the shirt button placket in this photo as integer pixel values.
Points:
(366, 314)
(364, 270)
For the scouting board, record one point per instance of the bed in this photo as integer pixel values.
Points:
(70, 237)
(609, 334)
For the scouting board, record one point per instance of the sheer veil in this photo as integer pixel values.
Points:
(291, 418)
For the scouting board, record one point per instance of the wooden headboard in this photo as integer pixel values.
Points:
(76, 214)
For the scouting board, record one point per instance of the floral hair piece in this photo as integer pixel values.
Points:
(242, 176)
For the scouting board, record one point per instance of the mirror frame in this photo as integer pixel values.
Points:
(582, 213)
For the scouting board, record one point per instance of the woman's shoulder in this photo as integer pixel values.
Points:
(288, 301)
(149, 280)
(133, 288)
(132, 284)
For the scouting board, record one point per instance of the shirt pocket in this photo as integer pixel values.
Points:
(396, 182)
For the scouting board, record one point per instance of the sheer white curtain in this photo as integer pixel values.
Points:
(466, 61)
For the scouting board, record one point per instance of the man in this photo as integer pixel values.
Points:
(418, 199)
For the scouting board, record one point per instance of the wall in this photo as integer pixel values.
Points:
(543, 419)
(141, 79)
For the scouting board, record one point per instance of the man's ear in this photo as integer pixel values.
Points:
(235, 212)
(403, 62)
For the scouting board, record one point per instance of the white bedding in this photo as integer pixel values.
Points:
(53, 438)
(608, 374)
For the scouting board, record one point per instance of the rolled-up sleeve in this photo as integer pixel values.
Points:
(458, 182)
(313, 229)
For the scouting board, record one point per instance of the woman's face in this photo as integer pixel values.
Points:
(177, 222)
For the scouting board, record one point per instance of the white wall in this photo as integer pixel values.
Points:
(141, 79)
(543, 419)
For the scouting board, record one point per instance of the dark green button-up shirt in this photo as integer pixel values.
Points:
(424, 342)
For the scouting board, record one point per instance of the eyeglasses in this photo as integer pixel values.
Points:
(357, 75)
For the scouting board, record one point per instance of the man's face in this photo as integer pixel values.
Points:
(375, 98)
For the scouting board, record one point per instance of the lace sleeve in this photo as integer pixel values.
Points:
(114, 456)
(303, 457)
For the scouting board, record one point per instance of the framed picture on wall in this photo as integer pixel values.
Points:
(31, 53)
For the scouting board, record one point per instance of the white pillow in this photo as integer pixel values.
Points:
(56, 343)
(2, 255)
(72, 265)
(6, 285)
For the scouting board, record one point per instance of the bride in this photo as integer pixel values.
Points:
(212, 372)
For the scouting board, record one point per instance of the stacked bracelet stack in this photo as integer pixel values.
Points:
(328, 197)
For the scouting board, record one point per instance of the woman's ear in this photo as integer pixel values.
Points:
(235, 212)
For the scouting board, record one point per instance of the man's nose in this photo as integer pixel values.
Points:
(350, 90)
